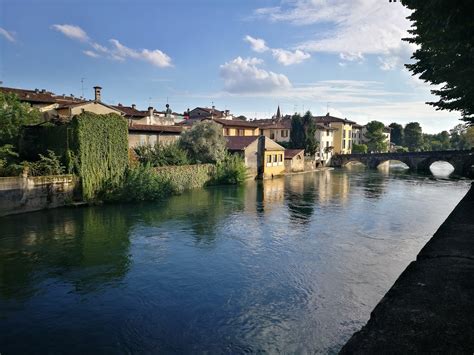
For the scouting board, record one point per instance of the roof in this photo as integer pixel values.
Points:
(240, 142)
(275, 124)
(235, 123)
(329, 118)
(39, 96)
(291, 153)
(356, 125)
(155, 128)
(130, 111)
(323, 127)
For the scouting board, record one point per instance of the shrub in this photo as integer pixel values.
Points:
(49, 164)
(187, 176)
(162, 154)
(402, 149)
(140, 183)
(359, 148)
(9, 161)
(204, 142)
(231, 170)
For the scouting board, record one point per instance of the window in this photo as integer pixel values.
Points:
(327, 132)
(272, 135)
(274, 158)
(241, 132)
(343, 144)
(327, 144)
(280, 157)
(269, 159)
(343, 133)
(227, 131)
(284, 133)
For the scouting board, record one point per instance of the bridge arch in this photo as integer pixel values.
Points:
(354, 161)
(441, 168)
(387, 164)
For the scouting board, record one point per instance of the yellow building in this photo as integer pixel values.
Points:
(342, 140)
(233, 128)
(263, 157)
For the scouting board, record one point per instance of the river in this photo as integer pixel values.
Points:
(290, 265)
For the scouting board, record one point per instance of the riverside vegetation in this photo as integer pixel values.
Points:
(95, 148)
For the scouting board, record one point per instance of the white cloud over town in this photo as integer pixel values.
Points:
(7, 35)
(354, 27)
(282, 56)
(116, 50)
(243, 75)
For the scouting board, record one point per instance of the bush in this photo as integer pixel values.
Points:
(140, 183)
(231, 170)
(162, 154)
(402, 150)
(204, 142)
(9, 161)
(46, 165)
(359, 148)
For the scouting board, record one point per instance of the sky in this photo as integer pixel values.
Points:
(341, 56)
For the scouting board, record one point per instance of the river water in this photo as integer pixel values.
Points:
(291, 265)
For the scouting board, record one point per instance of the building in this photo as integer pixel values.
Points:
(263, 157)
(277, 130)
(140, 134)
(148, 117)
(61, 107)
(294, 160)
(325, 138)
(231, 128)
(357, 136)
(208, 113)
(342, 139)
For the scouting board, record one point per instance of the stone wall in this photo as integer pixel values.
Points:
(26, 194)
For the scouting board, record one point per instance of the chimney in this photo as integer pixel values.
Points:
(150, 111)
(36, 91)
(134, 106)
(97, 90)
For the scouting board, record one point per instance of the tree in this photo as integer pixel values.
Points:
(297, 133)
(458, 137)
(376, 140)
(443, 32)
(413, 136)
(359, 148)
(470, 137)
(396, 135)
(311, 145)
(13, 115)
(204, 142)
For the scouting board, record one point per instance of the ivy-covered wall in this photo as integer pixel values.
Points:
(187, 176)
(100, 146)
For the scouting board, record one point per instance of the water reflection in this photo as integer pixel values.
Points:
(291, 265)
(54, 244)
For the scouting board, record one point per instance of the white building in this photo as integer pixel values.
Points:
(325, 138)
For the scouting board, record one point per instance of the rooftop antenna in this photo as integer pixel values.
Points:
(82, 86)
(327, 107)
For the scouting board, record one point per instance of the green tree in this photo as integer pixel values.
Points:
(470, 137)
(444, 34)
(396, 135)
(297, 133)
(413, 136)
(13, 115)
(204, 142)
(311, 144)
(458, 137)
(376, 140)
(359, 148)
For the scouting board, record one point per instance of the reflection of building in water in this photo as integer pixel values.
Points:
(332, 185)
(273, 191)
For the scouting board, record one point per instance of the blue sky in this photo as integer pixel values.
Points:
(246, 56)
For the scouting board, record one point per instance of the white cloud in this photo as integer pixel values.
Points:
(352, 57)
(289, 58)
(73, 32)
(157, 58)
(7, 35)
(257, 44)
(117, 51)
(244, 76)
(91, 54)
(357, 26)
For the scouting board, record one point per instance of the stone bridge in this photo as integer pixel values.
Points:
(461, 160)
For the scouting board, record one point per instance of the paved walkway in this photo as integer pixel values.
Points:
(430, 308)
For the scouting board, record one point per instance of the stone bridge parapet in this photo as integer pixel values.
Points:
(461, 160)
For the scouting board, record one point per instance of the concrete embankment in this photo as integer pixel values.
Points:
(430, 308)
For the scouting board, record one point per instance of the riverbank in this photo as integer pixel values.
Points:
(430, 308)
